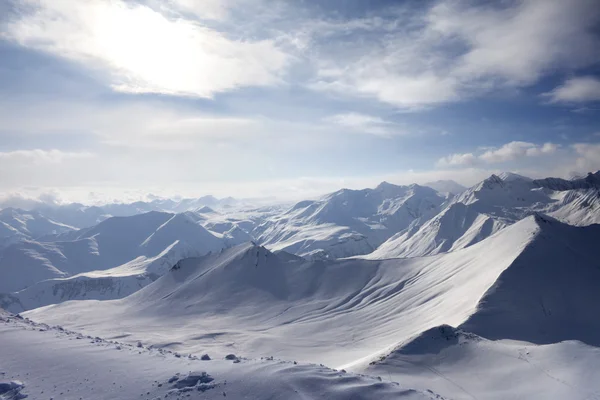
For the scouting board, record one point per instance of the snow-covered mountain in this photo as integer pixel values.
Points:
(498, 282)
(591, 181)
(114, 242)
(252, 294)
(30, 224)
(489, 206)
(113, 283)
(533, 281)
(81, 216)
(349, 222)
(385, 222)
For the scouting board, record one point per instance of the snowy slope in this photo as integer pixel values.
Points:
(27, 262)
(113, 242)
(349, 313)
(30, 224)
(349, 222)
(113, 283)
(590, 181)
(95, 368)
(549, 293)
(534, 281)
(464, 366)
(249, 300)
(488, 207)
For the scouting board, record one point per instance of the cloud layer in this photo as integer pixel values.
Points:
(508, 152)
(145, 51)
(461, 49)
(576, 90)
(409, 58)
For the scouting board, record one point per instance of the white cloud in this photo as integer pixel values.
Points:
(458, 49)
(38, 156)
(465, 159)
(514, 150)
(364, 123)
(588, 157)
(145, 51)
(508, 152)
(520, 42)
(203, 9)
(575, 90)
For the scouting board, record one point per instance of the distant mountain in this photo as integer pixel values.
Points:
(109, 244)
(113, 283)
(517, 284)
(31, 224)
(388, 221)
(488, 207)
(591, 181)
(81, 216)
(349, 222)
(446, 186)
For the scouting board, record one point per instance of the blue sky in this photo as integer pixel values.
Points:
(292, 98)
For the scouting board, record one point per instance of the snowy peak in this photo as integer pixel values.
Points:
(232, 277)
(591, 181)
(389, 191)
(205, 210)
(29, 223)
(490, 182)
(544, 296)
(511, 176)
(350, 222)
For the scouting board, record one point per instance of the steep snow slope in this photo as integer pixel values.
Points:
(27, 262)
(349, 222)
(487, 207)
(577, 207)
(591, 181)
(46, 363)
(75, 214)
(250, 300)
(461, 365)
(549, 293)
(111, 243)
(113, 283)
(30, 224)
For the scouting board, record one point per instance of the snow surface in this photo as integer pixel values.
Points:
(465, 366)
(94, 368)
(510, 286)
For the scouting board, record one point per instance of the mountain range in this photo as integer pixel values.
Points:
(420, 286)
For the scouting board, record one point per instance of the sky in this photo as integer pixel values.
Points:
(105, 100)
